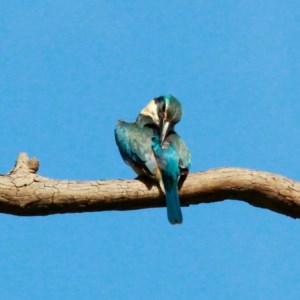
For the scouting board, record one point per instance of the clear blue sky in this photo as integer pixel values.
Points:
(71, 69)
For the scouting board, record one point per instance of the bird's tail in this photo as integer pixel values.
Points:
(173, 205)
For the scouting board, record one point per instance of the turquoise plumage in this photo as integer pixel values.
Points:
(136, 147)
(168, 163)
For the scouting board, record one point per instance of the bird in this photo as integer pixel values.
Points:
(168, 162)
(134, 139)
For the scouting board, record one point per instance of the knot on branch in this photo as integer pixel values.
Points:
(33, 165)
(25, 170)
(25, 165)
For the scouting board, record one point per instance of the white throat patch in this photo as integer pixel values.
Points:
(151, 111)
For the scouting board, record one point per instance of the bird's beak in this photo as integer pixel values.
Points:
(164, 131)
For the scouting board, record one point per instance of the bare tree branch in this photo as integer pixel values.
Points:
(23, 192)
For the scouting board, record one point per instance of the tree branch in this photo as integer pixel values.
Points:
(23, 192)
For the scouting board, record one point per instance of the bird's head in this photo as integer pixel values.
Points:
(170, 112)
(165, 111)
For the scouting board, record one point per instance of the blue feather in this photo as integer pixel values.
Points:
(168, 163)
(173, 205)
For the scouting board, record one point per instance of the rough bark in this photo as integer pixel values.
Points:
(23, 192)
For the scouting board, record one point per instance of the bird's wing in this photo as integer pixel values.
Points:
(134, 143)
(182, 150)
